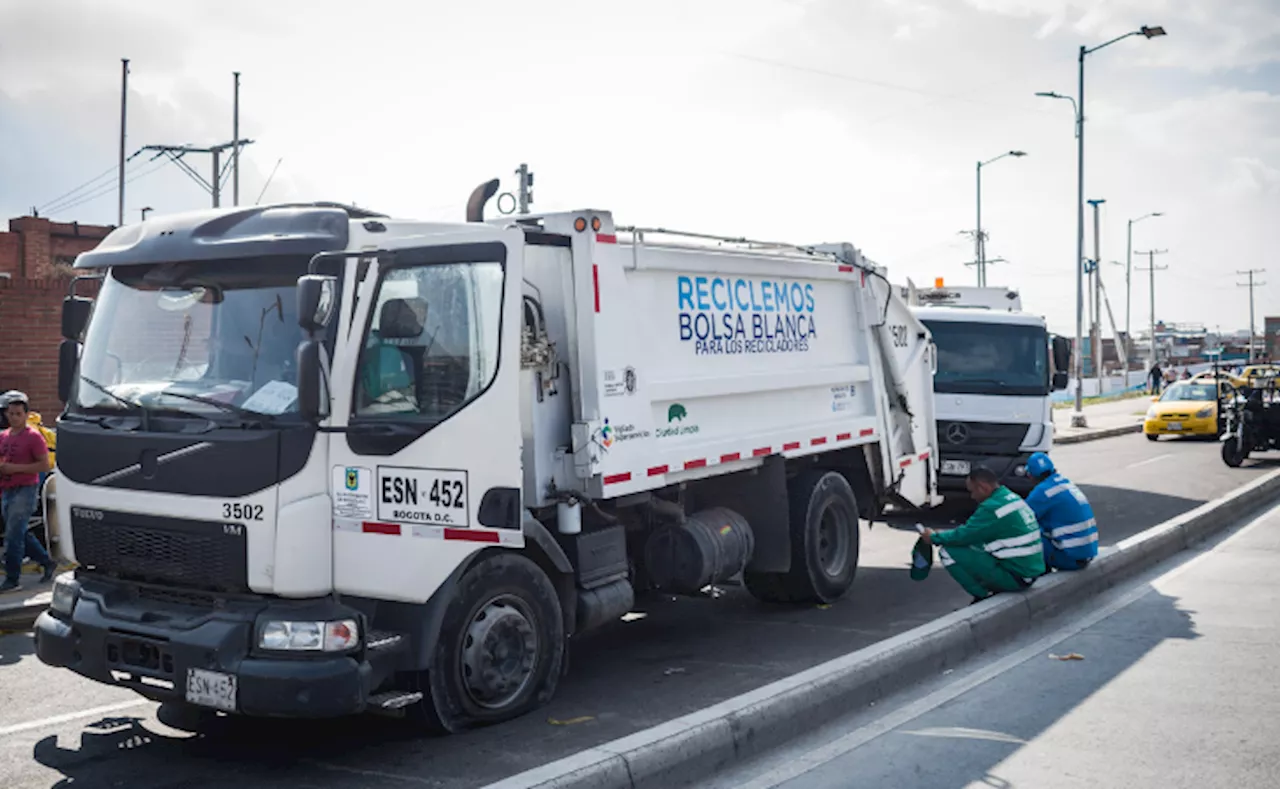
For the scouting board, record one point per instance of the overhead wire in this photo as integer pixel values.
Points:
(54, 203)
(139, 172)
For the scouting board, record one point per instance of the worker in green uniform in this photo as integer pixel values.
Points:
(998, 548)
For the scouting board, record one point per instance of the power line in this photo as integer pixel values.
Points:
(105, 189)
(1251, 285)
(110, 170)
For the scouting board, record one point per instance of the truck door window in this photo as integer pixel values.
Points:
(432, 342)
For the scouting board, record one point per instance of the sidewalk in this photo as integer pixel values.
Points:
(18, 609)
(1104, 420)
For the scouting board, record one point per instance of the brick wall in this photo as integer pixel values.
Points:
(35, 247)
(31, 317)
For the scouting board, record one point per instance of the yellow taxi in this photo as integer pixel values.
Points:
(1186, 408)
(1247, 377)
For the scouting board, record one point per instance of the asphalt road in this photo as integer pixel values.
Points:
(1171, 692)
(673, 657)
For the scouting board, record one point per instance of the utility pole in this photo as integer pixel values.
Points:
(1251, 285)
(235, 136)
(212, 185)
(1095, 329)
(124, 103)
(526, 188)
(1128, 272)
(1151, 269)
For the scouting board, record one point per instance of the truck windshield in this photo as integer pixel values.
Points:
(209, 338)
(990, 358)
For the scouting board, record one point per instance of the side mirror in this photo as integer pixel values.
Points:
(68, 356)
(1059, 381)
(317, 298)
(312, 390)
(75, 316)
(1061, 354)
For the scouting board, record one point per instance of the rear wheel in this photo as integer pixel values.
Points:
(500, 650)
(824, 543)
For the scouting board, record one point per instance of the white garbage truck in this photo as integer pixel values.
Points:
(997, 369)
(318, 461)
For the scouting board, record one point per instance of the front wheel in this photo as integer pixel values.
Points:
(500, 650)
(1152, 436)
(1234, 453)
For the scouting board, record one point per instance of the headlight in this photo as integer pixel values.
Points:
(1151, 412)
(1205, 412)
(1020, 471)
(66, 591)
(336, 636)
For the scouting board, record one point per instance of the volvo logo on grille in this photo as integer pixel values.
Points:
(957, 433)
(81, 512)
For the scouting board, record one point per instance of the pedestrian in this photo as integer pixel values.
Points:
(23, 457)
(1186, 373)
(998, 548)
(1157, 377)
(1067, 527)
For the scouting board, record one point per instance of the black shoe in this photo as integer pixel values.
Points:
(49, 570)
(10, 586)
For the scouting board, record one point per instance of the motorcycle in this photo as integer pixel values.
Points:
(1252, 424)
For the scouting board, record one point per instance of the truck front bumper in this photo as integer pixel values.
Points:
(1011, 469)
(152, 649)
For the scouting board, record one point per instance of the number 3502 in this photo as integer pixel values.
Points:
(242, 512)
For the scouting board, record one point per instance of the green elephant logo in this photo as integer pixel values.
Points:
(676, 412)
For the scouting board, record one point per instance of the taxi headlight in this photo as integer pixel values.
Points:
(1151, 412)
(1205, 412)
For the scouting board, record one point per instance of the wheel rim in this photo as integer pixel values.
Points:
(499, 651)
(834, 542)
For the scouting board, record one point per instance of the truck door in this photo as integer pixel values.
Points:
(424, 460)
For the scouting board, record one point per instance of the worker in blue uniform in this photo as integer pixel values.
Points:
(1067, 528)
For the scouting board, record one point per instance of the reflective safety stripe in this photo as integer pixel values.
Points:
(945, 557)
(1073, 528)
(1030, 538)
(1011, 507)
(1056, 489)
(1011, 553)
(1076, 542)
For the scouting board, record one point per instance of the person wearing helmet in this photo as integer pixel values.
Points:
(1067, 526)
(24, 456)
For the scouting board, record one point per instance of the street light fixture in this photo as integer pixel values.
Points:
(1077, 417)
(980, 247)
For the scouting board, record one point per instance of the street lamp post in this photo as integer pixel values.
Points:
(979, 245)
(1077, 416)
(1095, 327)
(1128, 270)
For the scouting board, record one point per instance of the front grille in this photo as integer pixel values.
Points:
(1175, 417)
(192, 554)
(985, 438)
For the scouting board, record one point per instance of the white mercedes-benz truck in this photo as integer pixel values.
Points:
(317, 461)
(997, 369)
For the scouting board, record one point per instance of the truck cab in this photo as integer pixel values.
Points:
(997, 367)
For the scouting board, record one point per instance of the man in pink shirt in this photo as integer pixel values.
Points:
(24, 456)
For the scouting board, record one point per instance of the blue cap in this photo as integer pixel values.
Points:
(1039, 464)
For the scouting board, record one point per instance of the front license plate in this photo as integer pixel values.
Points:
(211, 689)
(955, 468)
(1173, 426)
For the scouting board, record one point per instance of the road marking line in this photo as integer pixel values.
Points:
(70, 716)
(797, 766)
(1148, 460)
(337, 768)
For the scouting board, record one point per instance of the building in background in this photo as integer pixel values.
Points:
(1271, 338)
(36, 256)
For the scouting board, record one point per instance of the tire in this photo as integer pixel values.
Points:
(824, 543)
(504, 615)
(1152, 436)
(1232, 454)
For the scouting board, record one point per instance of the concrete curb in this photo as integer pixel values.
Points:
(1094, 435)
(21, 616)
(697, 745)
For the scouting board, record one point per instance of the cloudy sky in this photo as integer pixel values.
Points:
(802, 120)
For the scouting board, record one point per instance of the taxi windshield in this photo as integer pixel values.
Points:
(1189, 391)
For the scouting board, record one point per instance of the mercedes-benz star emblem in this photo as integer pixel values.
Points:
(957, 433)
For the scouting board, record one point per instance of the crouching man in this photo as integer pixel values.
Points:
(998, 548)
(1065, 517)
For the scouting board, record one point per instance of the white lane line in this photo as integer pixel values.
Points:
(806, 762)
(1148, 460)
(71, 716)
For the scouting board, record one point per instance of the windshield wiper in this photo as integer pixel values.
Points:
(244, 413)
(130, 405)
